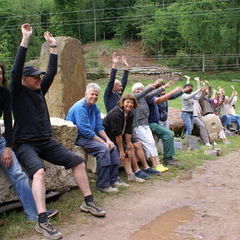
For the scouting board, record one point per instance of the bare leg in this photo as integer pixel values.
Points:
(39, 191)
(155, 161)
(81, 179)
(127, 165)
(140, 156)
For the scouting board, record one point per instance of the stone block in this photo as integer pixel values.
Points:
(57, 177)
(69, 83)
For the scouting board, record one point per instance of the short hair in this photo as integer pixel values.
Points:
(4, 81)
(136, 86)
(128, 97)
(188, 85)
(93, 86)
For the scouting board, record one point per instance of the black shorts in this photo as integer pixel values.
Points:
(32, 153)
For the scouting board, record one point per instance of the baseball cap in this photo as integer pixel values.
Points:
(31, 71)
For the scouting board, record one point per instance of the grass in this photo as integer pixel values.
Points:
(16, 225)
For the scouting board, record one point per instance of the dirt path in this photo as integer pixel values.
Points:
(203, 205)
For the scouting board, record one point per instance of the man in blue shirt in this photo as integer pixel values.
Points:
(92, 137)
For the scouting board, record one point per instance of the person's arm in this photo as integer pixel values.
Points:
(124, 79)
(144, 92)
(52, 65)
(17, 70)
(104, 136)
(176, 95)
(189, 96)
(82, 122)
(113, 73)
(165, 97)
(6, 157)
(119, 142)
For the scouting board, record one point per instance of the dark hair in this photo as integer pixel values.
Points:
(128, 97)
(4, 81)
(188, 85)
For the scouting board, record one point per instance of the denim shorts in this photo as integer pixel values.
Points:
(32, 153)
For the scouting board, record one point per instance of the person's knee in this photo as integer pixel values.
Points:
(137, 145)
(80, 167)
(40, 175)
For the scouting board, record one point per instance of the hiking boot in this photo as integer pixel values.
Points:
(134, 178)
(161, 168)
(108, 189)
(152, 171)
(170, 162)
(52, 212)
(93, 208)
(48, 230)
(142, 174)
(120, 183)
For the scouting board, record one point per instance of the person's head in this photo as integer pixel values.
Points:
(137, 87)
(128, 102)
(226, 100)
(32, 77)
(91, 93)
(205, 91)
(2, 76)
(117, 87)
(188, 88)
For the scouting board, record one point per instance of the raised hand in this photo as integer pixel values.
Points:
(124, 62)
(197, 79)
(115, 58)
(188, 78)
(26, 30)
(49, 38)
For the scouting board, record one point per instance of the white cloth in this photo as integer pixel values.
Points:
(144, 135)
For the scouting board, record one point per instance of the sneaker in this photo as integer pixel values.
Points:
(161, 168)
(151, 171)
(120, 183)
(93, 208)
(108, 189)
(52, 212)
(170, 162)
(48, 230)
(208, 144)
(134, 178)
(142, 174)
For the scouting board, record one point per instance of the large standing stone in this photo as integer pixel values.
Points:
(69, 83)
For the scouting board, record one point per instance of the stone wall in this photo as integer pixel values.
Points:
(69, 83)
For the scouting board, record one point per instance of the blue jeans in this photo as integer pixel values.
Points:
(227, 120)
(187, 118)
(107, 161)
(20, 184)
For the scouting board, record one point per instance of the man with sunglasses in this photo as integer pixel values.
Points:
(32, 132)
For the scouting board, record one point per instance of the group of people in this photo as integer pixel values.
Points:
(125, 135)
(206, 101)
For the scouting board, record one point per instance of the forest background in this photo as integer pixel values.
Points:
(185, 34)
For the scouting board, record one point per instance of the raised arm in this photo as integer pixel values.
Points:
(17, 70)
(113, 73)
(52, 65)
(165, 97)
(124, 79)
